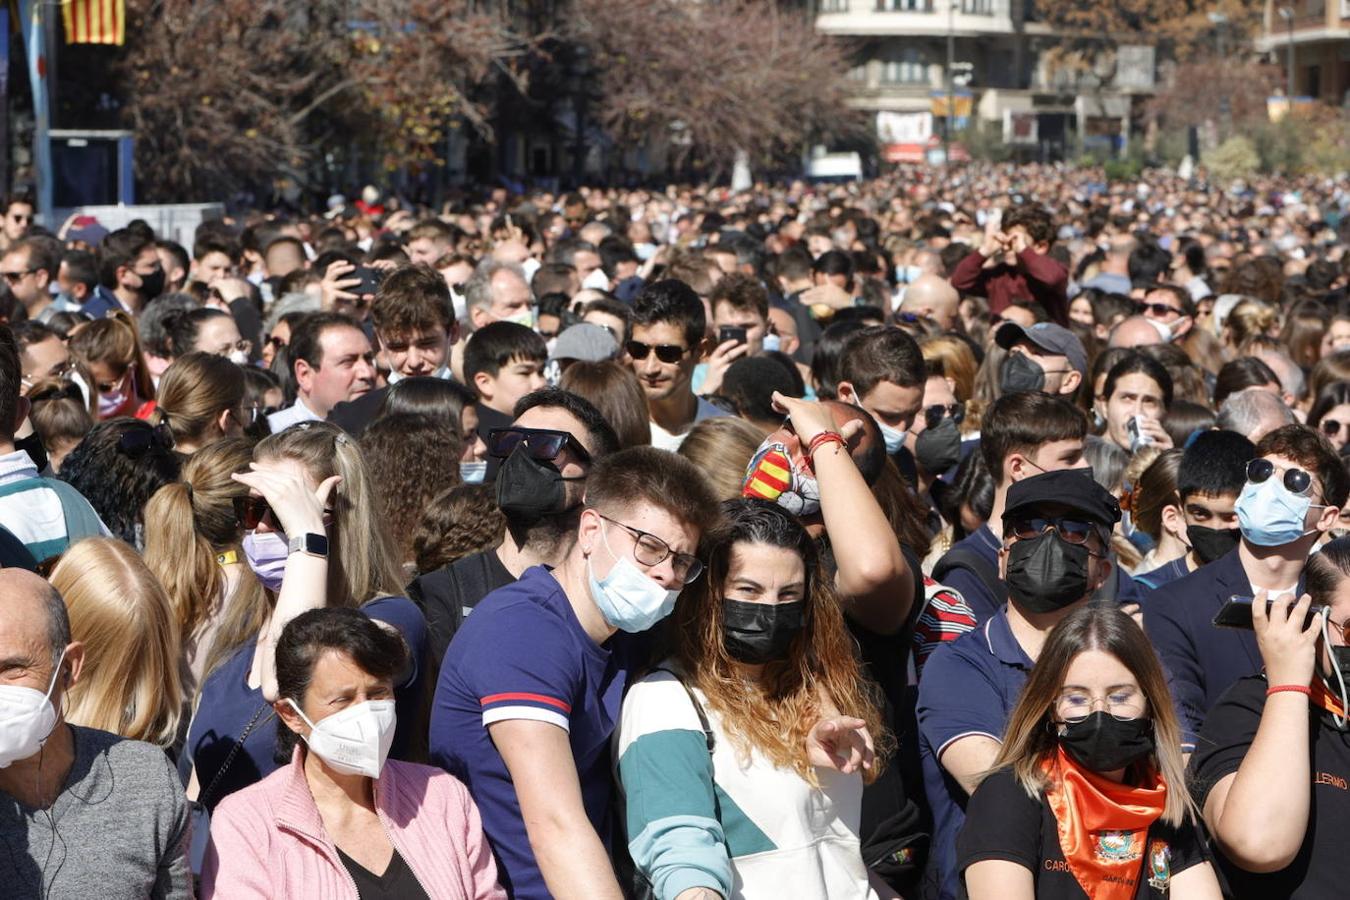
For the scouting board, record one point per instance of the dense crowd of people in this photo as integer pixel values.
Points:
(980, 533)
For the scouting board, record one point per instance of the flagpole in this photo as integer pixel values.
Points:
(31, 14)
(4, 98)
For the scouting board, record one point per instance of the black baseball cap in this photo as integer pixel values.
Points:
(1072, 489)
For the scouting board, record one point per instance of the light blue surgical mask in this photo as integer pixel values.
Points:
(1270, 515)
(894, 438)
(772, 343)
(628, 599)
(473, 472)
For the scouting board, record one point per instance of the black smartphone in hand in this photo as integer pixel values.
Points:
(730, 333)
(1237, 612)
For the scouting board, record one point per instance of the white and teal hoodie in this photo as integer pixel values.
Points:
(748, 830)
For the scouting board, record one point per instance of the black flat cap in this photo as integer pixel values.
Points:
(1074, 489)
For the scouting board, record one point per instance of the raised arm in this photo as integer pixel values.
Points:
(872, 577)
(298, 510)
(1255, 833)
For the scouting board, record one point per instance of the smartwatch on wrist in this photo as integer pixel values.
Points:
(309, 542)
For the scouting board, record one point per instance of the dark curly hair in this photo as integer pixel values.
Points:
(411, 459)
(459, 522)
(118, 467)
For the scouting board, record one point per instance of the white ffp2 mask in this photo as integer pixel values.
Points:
(356, 740)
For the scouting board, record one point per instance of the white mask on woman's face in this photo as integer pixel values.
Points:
(355, 740)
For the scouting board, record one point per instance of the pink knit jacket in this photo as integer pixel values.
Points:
(267, 840)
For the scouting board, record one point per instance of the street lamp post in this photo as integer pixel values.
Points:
(951, 77)
(1287, 13)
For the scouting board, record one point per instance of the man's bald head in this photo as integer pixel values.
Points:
(33, 606)
(933, 297)
(1136, 331)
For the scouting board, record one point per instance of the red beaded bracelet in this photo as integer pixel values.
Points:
(825, 437)
(1290, 688)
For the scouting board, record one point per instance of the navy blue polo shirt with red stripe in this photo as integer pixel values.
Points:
(969, 688)
(523, 655)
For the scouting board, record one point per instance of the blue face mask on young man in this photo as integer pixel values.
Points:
(1270, 515)
(894, 438)
(627, 598)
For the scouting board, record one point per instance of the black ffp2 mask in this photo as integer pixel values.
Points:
(938, 449)
(1046, 573)
(1211, 543)
(529, 489)
(1104, 743)
(761, 632)
(1018, 373)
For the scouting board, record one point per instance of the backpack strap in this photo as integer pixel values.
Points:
(698, 708)
(965, 558)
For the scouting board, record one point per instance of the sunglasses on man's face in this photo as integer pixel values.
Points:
(933, 415)
(543, 444)
(1158, 309)
(1071, 531)
(1296, 481)
(667, 353)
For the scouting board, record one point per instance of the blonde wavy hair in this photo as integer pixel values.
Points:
(362, 563)
(130, 684)
(1030, 738)
(777, 714)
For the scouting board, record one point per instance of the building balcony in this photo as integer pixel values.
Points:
(879, 18)
(1314, 22)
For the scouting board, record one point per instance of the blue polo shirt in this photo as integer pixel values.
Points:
(969, 687)
(1167, 573)
(523, 655)
(969, 585)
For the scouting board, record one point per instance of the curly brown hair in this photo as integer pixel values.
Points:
(411, 458)
(457, 523)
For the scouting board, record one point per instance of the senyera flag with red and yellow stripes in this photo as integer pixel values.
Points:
(95, 21)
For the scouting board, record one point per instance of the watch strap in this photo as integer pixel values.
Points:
(309, 542)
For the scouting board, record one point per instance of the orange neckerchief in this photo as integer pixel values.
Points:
(1325, 699)
(1102, 825)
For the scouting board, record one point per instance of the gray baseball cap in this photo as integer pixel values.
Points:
(585, 341)
(1048, 337)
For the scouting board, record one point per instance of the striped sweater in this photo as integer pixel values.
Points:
(743, 828)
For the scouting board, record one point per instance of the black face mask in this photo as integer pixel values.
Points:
(938, 449)
(1018, 373)
(1046, 573)
(1104, 743)
(529, 489)
(152, 285)
(761, 632)
(1211, 543)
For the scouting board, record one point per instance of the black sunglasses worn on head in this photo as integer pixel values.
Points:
(137, 441)
(1296, 481)
(667, 353)
(541, 443)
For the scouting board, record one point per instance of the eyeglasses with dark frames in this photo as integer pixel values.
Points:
(650, 550)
